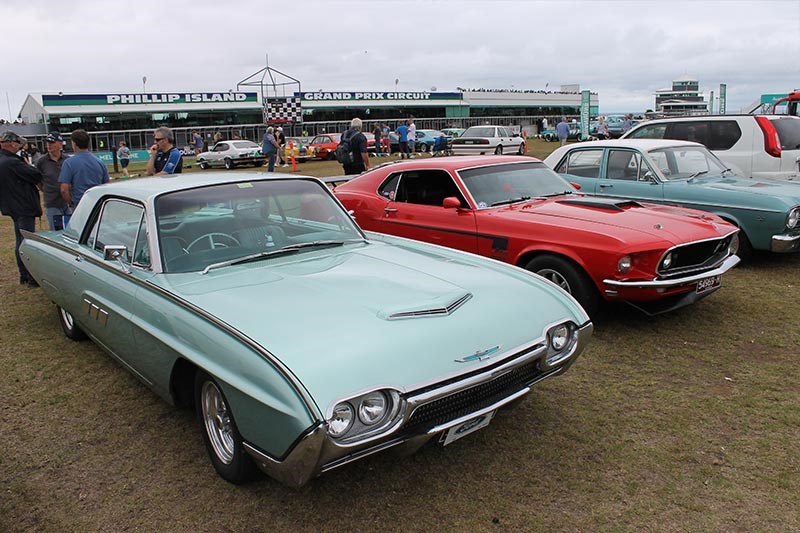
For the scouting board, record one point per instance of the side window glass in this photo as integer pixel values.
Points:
(389, 187)
(695, 131)
(724, 134)
(119, 223)
(623, 165)
(141, 251)
(585, 163)
(656, 131)
(427, 187)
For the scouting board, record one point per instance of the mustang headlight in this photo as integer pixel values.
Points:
(793, 218)
(560, 341)
(733, 246)
(342, 419)
(624, 264)
(667, 261)
(372, 408)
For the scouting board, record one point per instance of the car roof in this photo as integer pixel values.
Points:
(144, 189)
(456, 162)
(641, 144)
(693, 118)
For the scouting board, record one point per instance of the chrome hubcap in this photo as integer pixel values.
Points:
(217, 420)
(555, 277)
(67, 318)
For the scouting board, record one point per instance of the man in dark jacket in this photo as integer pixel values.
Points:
(19, 194)
(359, 160)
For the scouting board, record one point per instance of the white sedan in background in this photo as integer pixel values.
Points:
(482, 140)
(231, 154)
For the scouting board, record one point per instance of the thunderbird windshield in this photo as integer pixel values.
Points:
(506, 184)
(686, 162)
(219, 224)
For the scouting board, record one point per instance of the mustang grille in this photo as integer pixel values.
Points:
(696, 256)
(446, 310)
(467, 401)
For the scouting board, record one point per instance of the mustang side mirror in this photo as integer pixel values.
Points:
(451, 202)
(116, 252)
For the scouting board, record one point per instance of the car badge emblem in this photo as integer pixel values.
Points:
(479, 355)
(658, 226)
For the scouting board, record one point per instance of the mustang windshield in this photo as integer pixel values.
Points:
(505, 184)
(220, 224)
(682, 162)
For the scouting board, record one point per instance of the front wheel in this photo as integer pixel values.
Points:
(229, 164)
(223, 442)
(204, 165)
(423, 148)
(498, 150)
(569, 277)
(521, 150)
(71, 329)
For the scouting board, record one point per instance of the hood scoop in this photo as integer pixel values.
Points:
(443, 306)
(610, 204)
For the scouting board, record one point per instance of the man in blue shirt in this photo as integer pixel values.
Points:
(562, 131)
(164, 157)
(402, 133)
(80, 172)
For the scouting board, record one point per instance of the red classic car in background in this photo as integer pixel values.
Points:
(515, 209)
(324, 145)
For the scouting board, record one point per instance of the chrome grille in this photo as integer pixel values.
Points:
(467, 401)
(696, 256)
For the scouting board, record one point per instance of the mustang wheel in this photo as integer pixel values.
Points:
(222, 438)
(229, 164)
(569, 277)
(71, 329)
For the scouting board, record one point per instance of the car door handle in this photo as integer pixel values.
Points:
(388, 210)
(604, 185)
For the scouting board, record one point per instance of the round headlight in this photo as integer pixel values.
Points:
(624, 265)
(733, 247)
(341, 420)
(372, 408)
(559, 337)
(794, 218)
(667, 262)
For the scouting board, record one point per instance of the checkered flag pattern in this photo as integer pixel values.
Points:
(283, 109)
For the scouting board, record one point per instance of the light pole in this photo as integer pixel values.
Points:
(144, 84)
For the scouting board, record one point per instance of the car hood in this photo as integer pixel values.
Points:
(325, 314)
(626, 220)
(788, 191)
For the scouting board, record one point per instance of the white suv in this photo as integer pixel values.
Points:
(758, 146)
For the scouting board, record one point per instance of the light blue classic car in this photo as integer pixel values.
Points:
(685, 173)
(302, 342)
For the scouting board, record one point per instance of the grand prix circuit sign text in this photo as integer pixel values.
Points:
(372, 96)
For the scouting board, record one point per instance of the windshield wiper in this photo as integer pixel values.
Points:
(560, 193)
(290, 249)
(698, 173)
(511, 201)
(724, 170)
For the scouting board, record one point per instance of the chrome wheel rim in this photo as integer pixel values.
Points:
(218, 423)
(69, 322)
(553, 276)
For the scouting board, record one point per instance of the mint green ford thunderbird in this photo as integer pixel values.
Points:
(302, 342)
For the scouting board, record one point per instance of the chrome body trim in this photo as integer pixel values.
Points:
(726, 265)
(785, 243)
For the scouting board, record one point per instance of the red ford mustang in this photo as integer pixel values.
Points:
(515, 209)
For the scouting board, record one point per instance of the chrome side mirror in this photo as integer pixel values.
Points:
(116, 252)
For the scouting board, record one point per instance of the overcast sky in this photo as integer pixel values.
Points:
(623, 50)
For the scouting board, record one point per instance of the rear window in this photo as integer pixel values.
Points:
(653, 131)
(479, 131)
(788, 132)
(713, 134)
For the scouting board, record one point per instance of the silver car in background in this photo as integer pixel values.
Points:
(482, 140)
(231, 154)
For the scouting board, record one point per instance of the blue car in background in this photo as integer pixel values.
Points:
(426, 139)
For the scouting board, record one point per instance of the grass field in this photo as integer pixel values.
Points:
(684, 422)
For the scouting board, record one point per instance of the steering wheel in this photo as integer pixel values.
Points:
(212, 241)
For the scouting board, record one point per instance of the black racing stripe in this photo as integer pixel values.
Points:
(498, 241)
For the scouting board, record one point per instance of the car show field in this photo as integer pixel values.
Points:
(685, 421)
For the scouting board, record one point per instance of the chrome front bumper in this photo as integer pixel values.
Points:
(726, 265)
(315, 452)
(785, 243)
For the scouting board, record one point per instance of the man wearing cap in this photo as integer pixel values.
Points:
(19, 194)
(50, 166)
(164, 157)
(80, 172)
